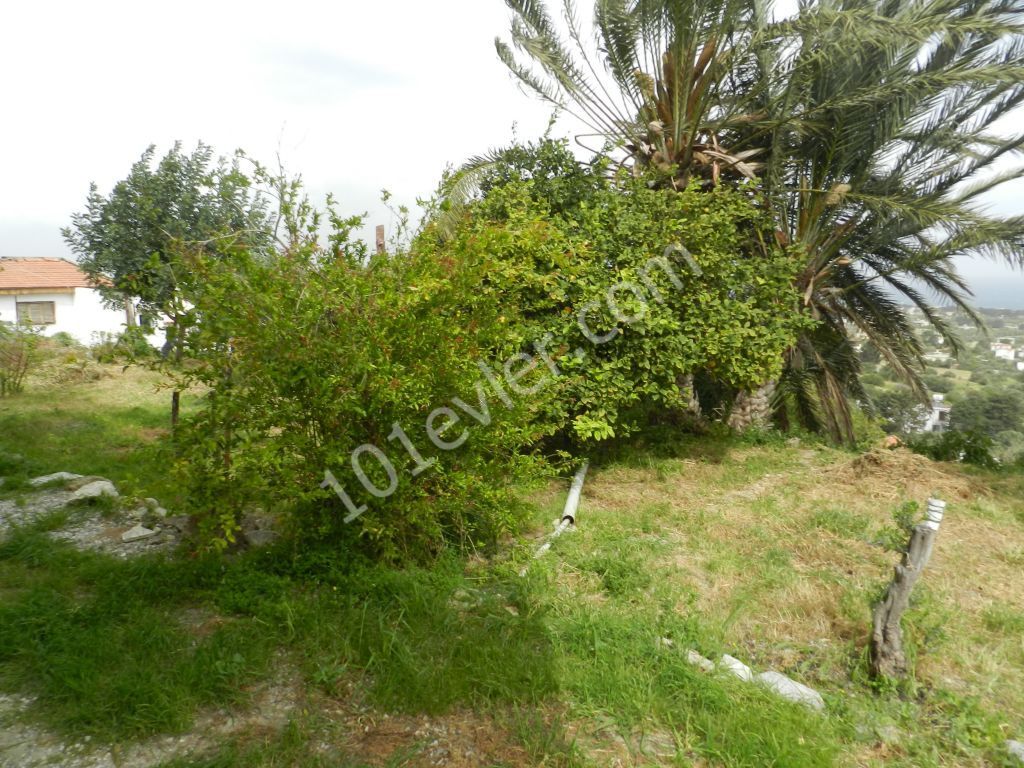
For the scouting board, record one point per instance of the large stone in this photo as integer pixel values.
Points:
(791, 690)
(737, 667)
(94, 490)
(694, 658)
(74, 485)
(55, 477)
(138, 533)
(1016, 749)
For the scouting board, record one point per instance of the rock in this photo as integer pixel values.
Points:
(138, 533)
(154, 506)
(94, 490)
(737, 667)
(1016, 749)
(794, 442)
(792, 690)
(64, 476)
(706, 665)
(74, 485)
(181, 523)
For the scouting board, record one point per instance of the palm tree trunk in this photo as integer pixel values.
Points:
(752, 409)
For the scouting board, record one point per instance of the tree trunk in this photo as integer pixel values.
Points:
(178, 353)
(752, 409)
(887, 656)
(131, 321)
(689, 393)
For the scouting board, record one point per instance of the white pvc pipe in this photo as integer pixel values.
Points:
(568, 520)
(572, 503)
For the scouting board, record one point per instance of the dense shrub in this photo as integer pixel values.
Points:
(314, 354)
(967, 447)
(693, 286)
(526, 323)
(994, 410)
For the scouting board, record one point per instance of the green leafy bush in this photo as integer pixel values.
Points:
(319, 353)
(425, 381)
(19, 352)
(676, 282)
(130, 345)
(63, 339)
(967, 447)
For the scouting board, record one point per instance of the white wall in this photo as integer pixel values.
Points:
(80, 314)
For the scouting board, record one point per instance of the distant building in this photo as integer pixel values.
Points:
(1003, 350)
(1020, 365)
(938, 419)
(55, 296)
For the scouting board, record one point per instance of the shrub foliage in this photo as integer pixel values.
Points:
(390, 402)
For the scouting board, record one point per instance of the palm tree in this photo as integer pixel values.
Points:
(882, 120)
(666, 88)
(873, 125)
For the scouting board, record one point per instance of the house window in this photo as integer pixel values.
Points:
(37, 312)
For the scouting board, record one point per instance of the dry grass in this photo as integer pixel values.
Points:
(778, 547)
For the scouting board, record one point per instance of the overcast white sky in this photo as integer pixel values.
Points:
(354, 96)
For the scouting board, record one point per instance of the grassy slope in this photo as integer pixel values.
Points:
(765, 552)
(110, 427)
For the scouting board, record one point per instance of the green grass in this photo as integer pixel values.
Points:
(110, 428)
(1004, 619)
(750, 547)
(841, 522)
(97, 642)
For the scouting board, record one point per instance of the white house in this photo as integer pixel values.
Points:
(1003, 350)
(938, 419)
(55, 296)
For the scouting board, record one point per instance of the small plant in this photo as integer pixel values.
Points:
(63, 339)
(18, 354)
(129, 346)
(894, 538)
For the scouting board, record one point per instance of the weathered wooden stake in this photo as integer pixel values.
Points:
(887, 656)
(380, 239)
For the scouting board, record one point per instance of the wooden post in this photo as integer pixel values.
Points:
(887, 656)
(380, 239)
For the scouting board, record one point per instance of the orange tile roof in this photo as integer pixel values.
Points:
(41, 273)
